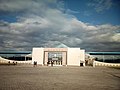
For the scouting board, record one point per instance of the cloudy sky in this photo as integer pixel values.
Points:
(93, 25)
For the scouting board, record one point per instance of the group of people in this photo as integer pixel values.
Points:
(50, 63)
(14, 63)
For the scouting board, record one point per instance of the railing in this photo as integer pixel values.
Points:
(97, 63)
(3, 60)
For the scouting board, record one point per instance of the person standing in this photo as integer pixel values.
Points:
(9, 63)
(34, 63)
(52, 63)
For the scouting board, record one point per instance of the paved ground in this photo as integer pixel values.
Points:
(58, 78)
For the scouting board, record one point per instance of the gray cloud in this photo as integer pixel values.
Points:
(28, 5)
(52, 28)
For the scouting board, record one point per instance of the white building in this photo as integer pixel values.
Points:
(61, 55)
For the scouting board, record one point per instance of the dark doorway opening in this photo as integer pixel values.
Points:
(81, 64)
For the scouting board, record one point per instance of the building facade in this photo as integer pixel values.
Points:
(59, 56)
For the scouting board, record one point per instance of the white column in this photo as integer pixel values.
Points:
(46, 58)
(64, 61)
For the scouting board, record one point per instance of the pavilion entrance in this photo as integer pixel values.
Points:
(55, 58)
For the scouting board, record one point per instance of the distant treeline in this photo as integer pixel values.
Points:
(19, 58)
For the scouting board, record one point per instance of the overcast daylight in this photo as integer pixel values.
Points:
(59, 44)
(93, 25)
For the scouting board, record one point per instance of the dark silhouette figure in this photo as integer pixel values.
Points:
(13, 63)
(35, 63)
(86, 62)
(48, 63)
(9, 63)
(52, 63)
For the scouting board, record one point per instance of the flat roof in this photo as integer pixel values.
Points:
(104, 53)
(15, 52)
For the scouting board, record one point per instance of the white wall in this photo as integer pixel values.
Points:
(73, 56)
(37, 55)
(82, 56)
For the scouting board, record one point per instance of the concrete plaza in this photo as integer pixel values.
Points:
(58, 78)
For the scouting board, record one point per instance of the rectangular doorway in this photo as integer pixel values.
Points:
(55, 58)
